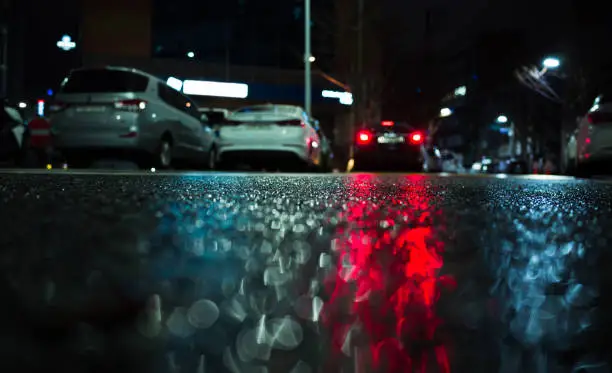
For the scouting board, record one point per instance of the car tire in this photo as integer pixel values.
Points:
(570, 168)
(163, 155)
(584, 170)
(211, 161)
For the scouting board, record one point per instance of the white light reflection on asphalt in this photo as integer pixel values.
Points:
(542, 302)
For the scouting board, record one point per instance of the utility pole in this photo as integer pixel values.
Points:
(360, 94)
(512, 140)
(307, 62)
(4, 61)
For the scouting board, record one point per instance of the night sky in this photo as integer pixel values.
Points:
(421, 47)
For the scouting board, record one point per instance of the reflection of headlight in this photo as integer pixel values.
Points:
(437, 153)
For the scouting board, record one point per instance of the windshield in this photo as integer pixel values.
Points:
(398, 127)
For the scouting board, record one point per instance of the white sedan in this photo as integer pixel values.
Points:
(268, 135)
(594, 138)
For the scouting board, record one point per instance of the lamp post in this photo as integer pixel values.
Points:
(307, 60)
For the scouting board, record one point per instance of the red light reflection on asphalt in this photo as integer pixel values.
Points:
(386, 285)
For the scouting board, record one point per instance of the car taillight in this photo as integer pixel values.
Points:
(56, 107)
(597, 117)
(290, 123)
(131, 105)
(364, 137)
(416, 138)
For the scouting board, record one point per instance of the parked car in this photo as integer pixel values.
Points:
(269, 136)
(125, 113)
(215, 115)
(570, 154)
(327, 154)
(389, 145)
(594, 138)
(432, 159)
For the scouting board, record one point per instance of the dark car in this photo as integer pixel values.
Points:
(389, 145)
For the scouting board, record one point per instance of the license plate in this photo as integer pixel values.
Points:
(90, 109)
(390, 140)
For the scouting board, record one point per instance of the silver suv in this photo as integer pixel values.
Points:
(126, 113)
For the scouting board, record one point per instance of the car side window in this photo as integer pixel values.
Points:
(167, 95)
(177, 100)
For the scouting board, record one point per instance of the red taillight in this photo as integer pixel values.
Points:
(56, 107)
(364, 137)
(131, 105)
(598, 117)
(290, 123)
(387, 123)
(416, 138)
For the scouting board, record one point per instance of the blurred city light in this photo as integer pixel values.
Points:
(40, 108)
(312, 59)
(345, 98)
(502, 119)
(461, 91)
(175, 83)
(190, 54)
(66, 43)
(215, 89)
(23, 105)
(445, 112)
(551, 62)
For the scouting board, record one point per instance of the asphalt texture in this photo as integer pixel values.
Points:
(187, 272)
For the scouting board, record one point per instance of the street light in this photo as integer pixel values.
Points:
(502, 119)
(312, 59)
(445, 112)
(551, 63)
(190, 54)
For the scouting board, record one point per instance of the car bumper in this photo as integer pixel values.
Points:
(411, 159)
(274, 152)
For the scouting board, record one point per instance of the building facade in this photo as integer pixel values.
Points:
(157, 36)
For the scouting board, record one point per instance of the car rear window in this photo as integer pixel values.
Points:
(396, 127)
(104, 81)
(266, 109)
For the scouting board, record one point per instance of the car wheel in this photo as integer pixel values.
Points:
(164, 154)
(584, 170)
(212, 159)
(570, 168)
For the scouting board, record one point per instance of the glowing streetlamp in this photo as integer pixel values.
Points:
(445, 112)
(502, 119)
(551, 63)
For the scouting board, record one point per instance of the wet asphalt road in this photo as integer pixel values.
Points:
(298, 273)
